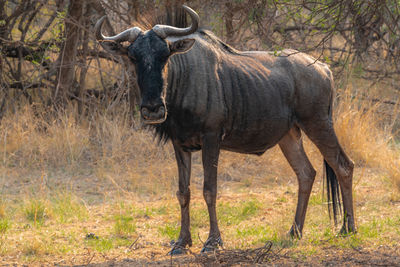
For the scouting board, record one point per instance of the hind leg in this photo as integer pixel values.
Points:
(292, 147)
(321, 132)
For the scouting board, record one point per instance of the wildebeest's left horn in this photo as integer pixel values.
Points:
(127, 35)
(164, 30)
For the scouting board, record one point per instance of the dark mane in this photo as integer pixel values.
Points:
(213, 39)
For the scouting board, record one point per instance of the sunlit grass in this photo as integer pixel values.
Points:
(36, 211)
(111, 148)
(5, 224)
(2, 208)
(229, 214)
(124, 225)
(67, 208)
(244, 223)
(34, 247)
(150, 212)
(367, 136)
(100, 244)
(170, 230)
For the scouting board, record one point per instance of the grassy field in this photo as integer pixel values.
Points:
(86, 191)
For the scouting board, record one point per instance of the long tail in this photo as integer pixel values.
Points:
(333, 192)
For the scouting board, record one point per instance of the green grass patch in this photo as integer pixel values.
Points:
(257, 235)
(282, 240)
(374, 232)
(2, 209)
(256, 231)
(369, 230)
(100, 244)
(150, 212)
(67, 208)
(393, 222)
(345, 242)
(316, 199)
(282, 199)
(122, 242)
(36, 211)
(170, 230)
(104, 244)
(199, 217)
(124, 225)
(229, 214)
(5, 225)
(147, 212)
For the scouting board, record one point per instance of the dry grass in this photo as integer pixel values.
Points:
(107, 146)
(63, 178)
(366, 133)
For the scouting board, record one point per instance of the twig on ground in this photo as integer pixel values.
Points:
(198, 234)
(236, 257)
(91, 256)
(134, 242)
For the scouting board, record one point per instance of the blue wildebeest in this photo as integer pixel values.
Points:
(202, 94)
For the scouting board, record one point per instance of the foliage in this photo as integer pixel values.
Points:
(34, 39)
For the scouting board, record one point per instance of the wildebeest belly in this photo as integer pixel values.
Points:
(259, 135)
(259, 105)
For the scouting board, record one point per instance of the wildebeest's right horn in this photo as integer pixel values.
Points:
(164, 30)
(127, 35)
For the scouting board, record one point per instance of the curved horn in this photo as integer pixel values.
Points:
(127, 35)
(164, 30)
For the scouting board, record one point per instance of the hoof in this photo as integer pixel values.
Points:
(207, 249)
(178, 248)
(347, 231)
(212, 244)
(295, 232)
(177, 251)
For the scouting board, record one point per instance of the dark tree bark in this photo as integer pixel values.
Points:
(83, 60)
(229, 22)
(67, 58)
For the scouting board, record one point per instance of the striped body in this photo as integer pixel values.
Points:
(251, 98)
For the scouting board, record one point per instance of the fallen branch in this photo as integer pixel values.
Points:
(237, 256)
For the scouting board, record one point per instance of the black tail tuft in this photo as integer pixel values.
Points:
(333, 192)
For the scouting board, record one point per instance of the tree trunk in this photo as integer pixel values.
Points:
(84, 65)
(67, 57)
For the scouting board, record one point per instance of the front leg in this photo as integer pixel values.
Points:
(210, 154)
(184, 160)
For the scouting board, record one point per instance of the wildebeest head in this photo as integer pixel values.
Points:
(150, 51)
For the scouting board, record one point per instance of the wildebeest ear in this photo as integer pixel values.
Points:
(181, 46)
(114, 48)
